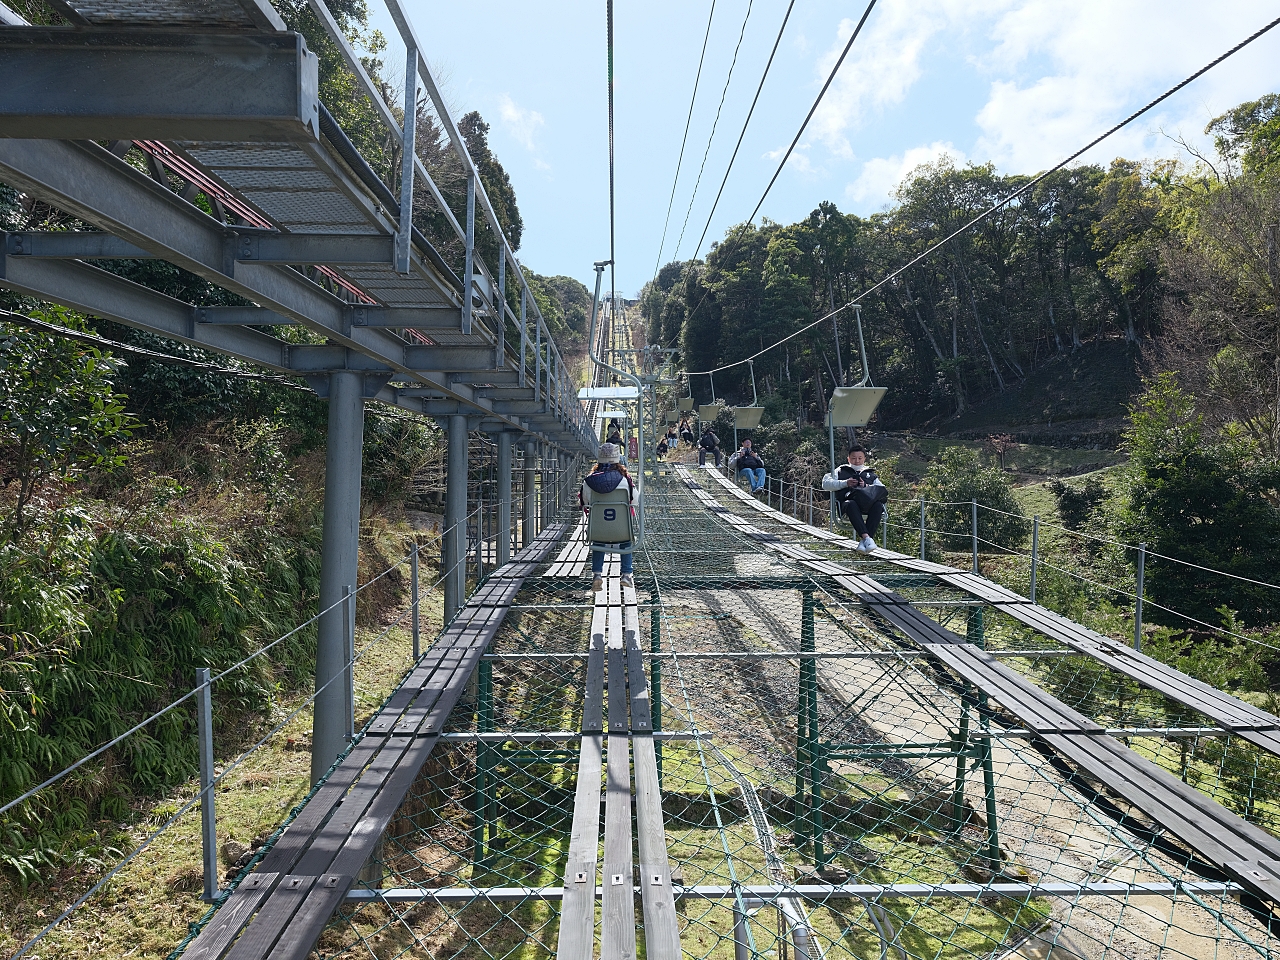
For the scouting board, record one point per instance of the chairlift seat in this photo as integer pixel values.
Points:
(609, 520)
(747, 418)
(709, 411)
(686, 404)
(853, 406)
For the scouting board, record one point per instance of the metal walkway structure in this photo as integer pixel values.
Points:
(191, 131)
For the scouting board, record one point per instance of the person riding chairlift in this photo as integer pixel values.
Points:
(607, 476)
(686, 432)
(745, 460)
(709, 443)
(858, 492)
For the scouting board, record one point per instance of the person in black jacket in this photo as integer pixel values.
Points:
(858, 492)
(709, 443)
(747, 462)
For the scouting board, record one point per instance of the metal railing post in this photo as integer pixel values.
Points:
(1137, 602)
(404, 233)
(469, 263)
(922, 528)
(208, 818)
(349, 631)
(1035, 554)
(886, 526)
(809, 487)
(974, 504)
(479, 540)
(413, 599)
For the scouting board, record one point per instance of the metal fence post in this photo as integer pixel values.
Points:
(974, 503)
(479, 540)
(1137, 602)
(809, 487)
(886, 526)
(922, 528)
(349, 631)
(208, 821)
(1035, 553)
(413, 599)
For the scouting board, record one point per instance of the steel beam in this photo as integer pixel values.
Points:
(87, 181)
(503, 468)
(529, 512)
(455, 518)
(98, 293)
(819, 892)
(163, 85)
(338, 566)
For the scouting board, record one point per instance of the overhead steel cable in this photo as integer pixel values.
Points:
(715, 123)
(613, 293)
(745, 124)
(688, 120)
(998, 205)
(814, 109)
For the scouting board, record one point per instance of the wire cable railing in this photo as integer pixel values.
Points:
(208, 788)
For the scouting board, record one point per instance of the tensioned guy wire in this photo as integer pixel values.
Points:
(1000, 204)
(745, 124)
(715, 123)
(683, 140)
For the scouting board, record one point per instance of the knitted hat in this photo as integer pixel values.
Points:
(609, 453)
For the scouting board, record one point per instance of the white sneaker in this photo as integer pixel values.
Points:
(597, 585)
(628, 580)
(867, 544)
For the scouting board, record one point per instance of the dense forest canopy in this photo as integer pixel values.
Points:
(1183, 253)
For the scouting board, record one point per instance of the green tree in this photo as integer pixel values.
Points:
(59, 413)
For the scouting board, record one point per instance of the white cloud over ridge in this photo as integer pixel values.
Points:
(880, 177)
(1057, 75)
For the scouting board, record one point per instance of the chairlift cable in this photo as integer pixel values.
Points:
(745, 124)
(1000, 204)
(830, 77)
(613, 293)
(714, 124)
(688, 120)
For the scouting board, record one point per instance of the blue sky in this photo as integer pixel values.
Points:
(1020, 84)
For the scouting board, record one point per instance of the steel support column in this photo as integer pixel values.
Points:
(530, 507)
(504, 497)
(337, 565)
(455, 518)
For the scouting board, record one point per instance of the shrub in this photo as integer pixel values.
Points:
(958, 477)
(1076, 505)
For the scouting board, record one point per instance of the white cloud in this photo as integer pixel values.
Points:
(886, 60)
(522, 124)
(880, 177)
(1067, 72)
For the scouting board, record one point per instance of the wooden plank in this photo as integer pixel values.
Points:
(661, 923)
(231, 917)
(1222, 707)
(578, 911)
(261, 935)
(618, 911)
(322, 849)
(322, 900)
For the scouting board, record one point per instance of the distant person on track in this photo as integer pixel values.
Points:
(615, 435)
(709, 443)
(686, 432)
(858, 492)
(746, 461)
(663, 447)
(608, 476)
(673, 437)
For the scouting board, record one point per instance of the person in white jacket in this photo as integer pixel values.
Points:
(859, 493)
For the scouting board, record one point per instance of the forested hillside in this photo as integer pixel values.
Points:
(1176, 260)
